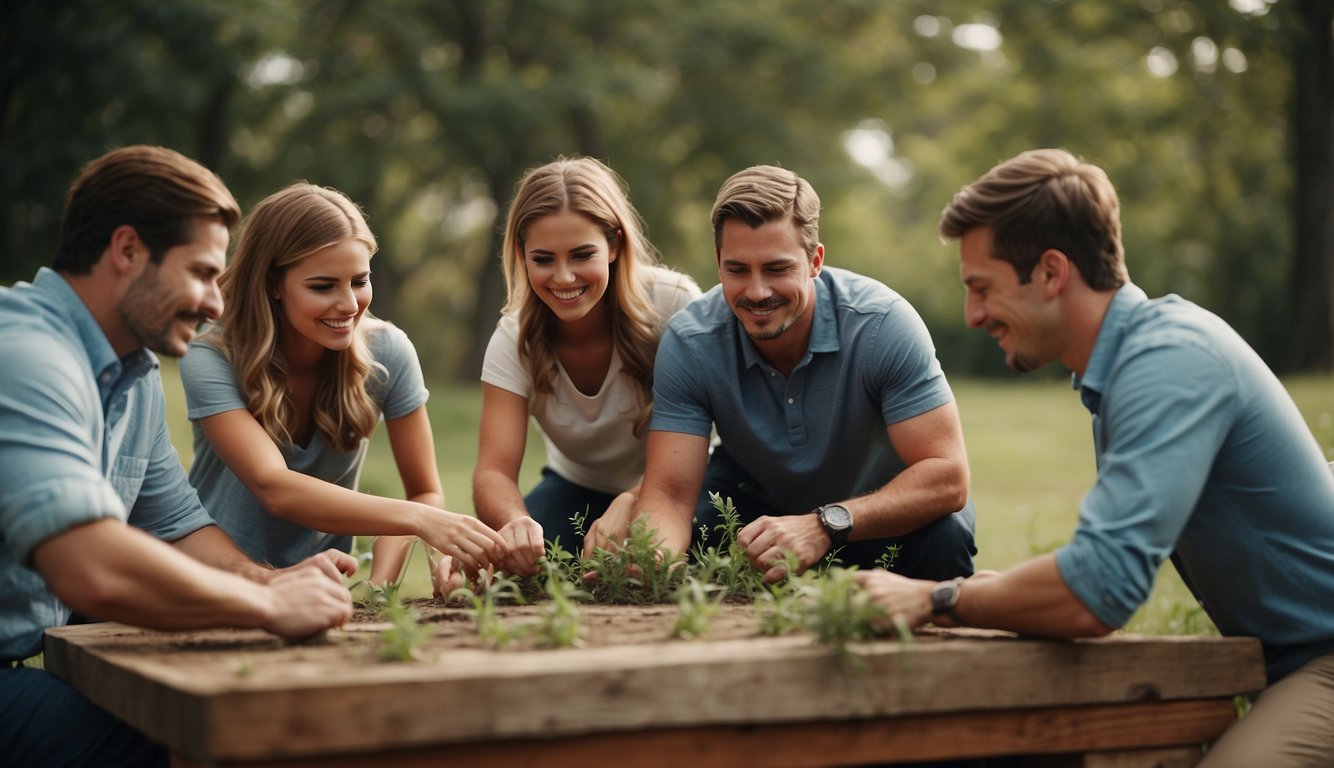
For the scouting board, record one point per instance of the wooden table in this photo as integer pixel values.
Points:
(242, 698)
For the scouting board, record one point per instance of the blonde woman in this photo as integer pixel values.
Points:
(284, 392)
(587, 303)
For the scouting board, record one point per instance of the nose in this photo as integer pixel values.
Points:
(757, 289)
(563, 273)
(973, 312)
(212, 305)
(346, 300)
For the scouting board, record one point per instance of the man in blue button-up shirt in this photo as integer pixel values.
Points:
(84, 450)
(1202, 456)
(838, 429)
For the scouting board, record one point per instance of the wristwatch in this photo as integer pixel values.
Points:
(837, 522)
(944, 596)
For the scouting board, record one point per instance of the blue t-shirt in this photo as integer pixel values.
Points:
(1203, 456)
(211, 388)
(820, 434)
(83, 436)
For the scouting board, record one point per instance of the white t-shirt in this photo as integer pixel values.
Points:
(590, 439)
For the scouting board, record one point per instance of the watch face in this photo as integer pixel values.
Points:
(836, 516)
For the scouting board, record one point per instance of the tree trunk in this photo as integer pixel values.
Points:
(1311, 345)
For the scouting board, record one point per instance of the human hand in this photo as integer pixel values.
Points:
(900, 598)
(523, 546)
(472, 544)
(768, 538)
(304, 602)
(333, 563)
(445, 578)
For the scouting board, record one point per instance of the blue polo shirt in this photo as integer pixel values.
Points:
(83, 436)
(1202, 456)
(820, 434)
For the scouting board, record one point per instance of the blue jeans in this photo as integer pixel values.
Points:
(44, 722)
(554, 501)
(938, 551)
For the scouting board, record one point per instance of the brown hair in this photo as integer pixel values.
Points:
(286, 227)
(764, 193)
(156, 190)
(1043, 199)
(591, 189)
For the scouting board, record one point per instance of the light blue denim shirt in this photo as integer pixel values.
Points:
(83, 436)
(1203, 456)
(820, 434)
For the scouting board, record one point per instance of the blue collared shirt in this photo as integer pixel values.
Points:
(1203, 456)
(83, 436)
(818, 435)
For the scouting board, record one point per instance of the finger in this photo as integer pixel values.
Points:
(776, 573)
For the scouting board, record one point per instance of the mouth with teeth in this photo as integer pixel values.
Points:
(570, 295)
(338, 325)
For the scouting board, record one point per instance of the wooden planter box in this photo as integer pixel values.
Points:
(241, 697)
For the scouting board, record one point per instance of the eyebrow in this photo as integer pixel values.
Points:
(331, 278)
(576, 249)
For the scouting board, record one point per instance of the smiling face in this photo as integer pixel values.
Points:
(1025, 325)
(766, 278)
(568, 261)
(168, 300)
(323, 296)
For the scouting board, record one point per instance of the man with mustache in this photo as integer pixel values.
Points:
(1201, 455)
(838, 430)
(96, 513)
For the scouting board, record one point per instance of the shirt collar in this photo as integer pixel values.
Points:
(107, 368)
(824, 328)
(1108, 344)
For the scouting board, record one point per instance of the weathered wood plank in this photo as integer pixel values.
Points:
(876, 741)
(196, 697)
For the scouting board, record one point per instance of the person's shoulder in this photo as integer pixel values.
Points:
(384, 338)
(707, 315)
(670, 290)
(860, 293)
(1171, 320)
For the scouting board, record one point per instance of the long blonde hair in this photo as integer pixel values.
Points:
(286, 227)
(587, 187)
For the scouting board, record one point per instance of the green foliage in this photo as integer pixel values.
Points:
(427, 114)
(492, 590)
(406, 633)
(839, 612)
(637, 571)
(559, 624)
(889, 557)
(725, 564)
(697, 603)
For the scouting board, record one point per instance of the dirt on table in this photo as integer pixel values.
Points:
(601, 624)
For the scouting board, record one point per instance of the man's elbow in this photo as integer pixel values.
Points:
(1083, 623)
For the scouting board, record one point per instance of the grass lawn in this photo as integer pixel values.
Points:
(1029, 445)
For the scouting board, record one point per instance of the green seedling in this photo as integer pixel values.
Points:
(726, 564)
(780, 604)
(637, 572)
(558, 623)
(889, 557)
(406, 633)
(492, 589)
(697, 603)
(840, 612)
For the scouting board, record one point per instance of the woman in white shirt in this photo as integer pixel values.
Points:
(574, 348)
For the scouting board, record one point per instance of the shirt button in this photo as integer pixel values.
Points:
(789, 401)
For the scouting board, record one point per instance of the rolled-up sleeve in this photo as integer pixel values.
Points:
(50, 441)
(1166, 412)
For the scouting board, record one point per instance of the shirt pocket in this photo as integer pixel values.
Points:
(127, 477)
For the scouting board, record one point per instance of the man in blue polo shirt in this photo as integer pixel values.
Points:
(91, 489)
(838, 430)
(1202, 456)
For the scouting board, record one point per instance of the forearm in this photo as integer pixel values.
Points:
(388, 556)
(213, 547)
(117, 573)
(324, 506)
(496, 498)
(667, 514)
(1031, 599)
(921, 494)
